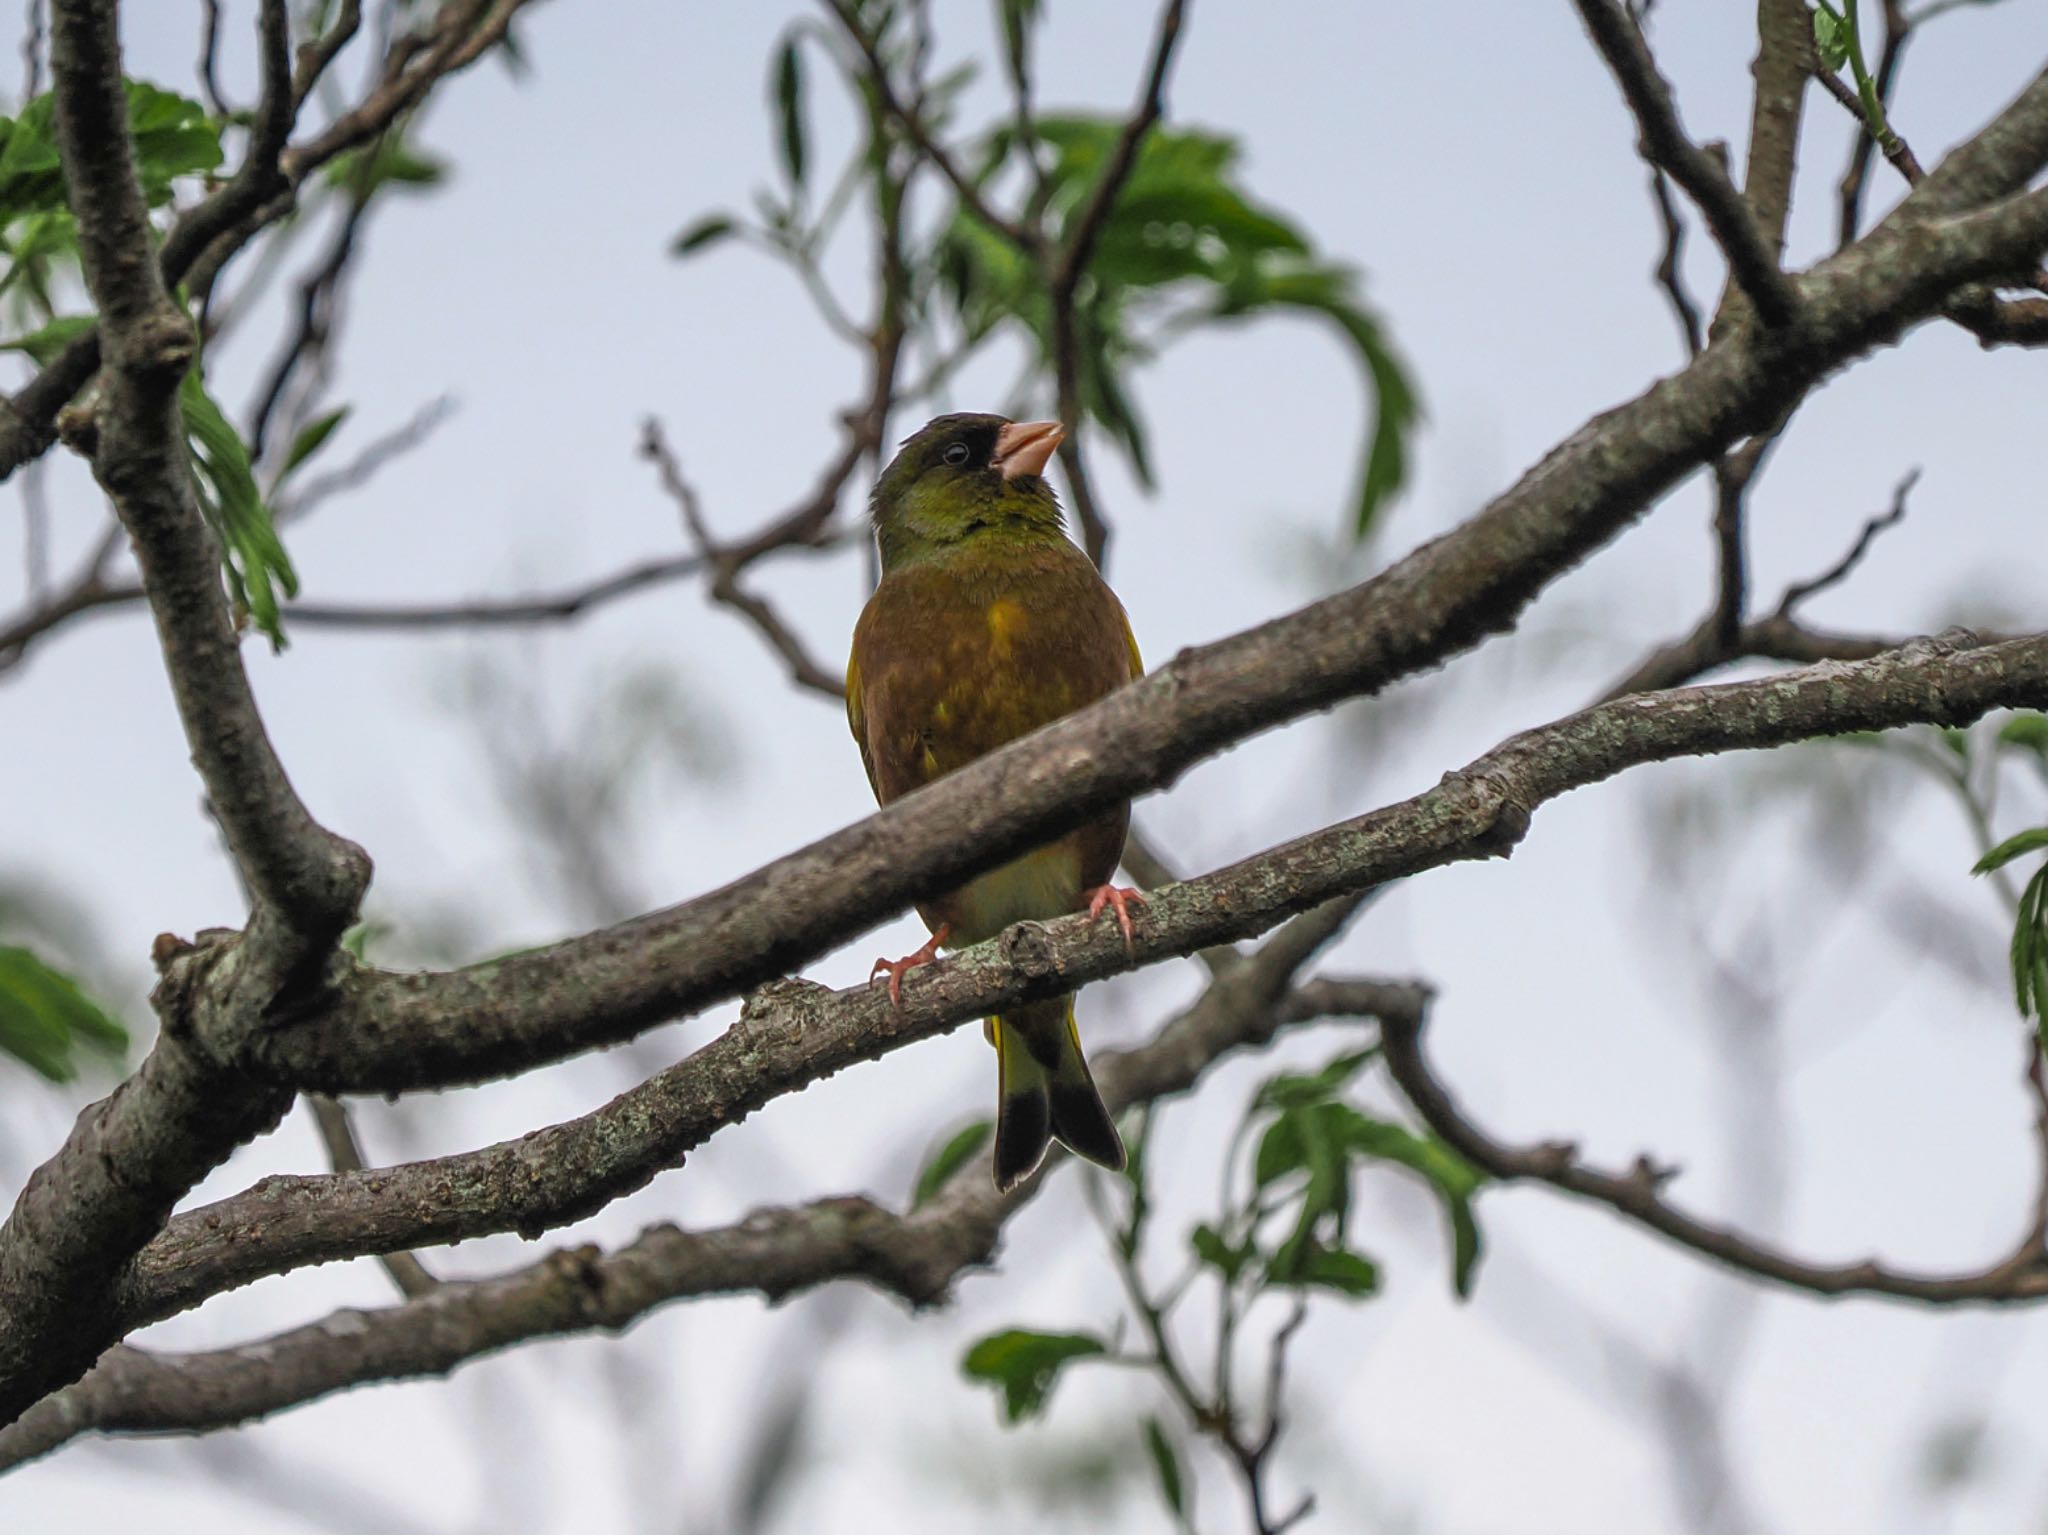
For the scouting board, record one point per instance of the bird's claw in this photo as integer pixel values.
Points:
(896, 969)
(1121, 897)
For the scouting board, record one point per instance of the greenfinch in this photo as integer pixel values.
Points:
(988, 622)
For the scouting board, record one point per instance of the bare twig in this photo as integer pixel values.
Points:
(724, 567)
(1023, 236)
(209, 61)
(345, 1155)
(1841, 570)
(1077, 247)
(1066, 267)
(1704, 177)
(1639, 1195)
(1780, 637)
(1670, 266)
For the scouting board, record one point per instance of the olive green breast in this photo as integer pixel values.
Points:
(961, 653)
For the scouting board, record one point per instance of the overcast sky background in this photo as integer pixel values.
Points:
(1476, 161)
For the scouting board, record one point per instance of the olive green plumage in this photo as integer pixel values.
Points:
(987, 624)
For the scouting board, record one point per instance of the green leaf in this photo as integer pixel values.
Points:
(2031, 841)
(44, 343)
(2030, 952)
(1166, 1464)
(959, 1149)
(387, 161)
(701, 235)
(1830, 38)
(1211, 1248)
(1184, 240)
(789, 106)
(1288, 1091)
(45, 1019)
(1346, 1272)
(311, 439)
(254, 562)
(173, 137)
(1026, 1365)
(2027, 731)
(1454, 1179)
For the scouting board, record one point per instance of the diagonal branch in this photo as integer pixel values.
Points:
(795, 1033)
(1066, 267)
(916, 1256)
(1751, 258)
(403, 1033)
(1023, 236)
(1639, 1196)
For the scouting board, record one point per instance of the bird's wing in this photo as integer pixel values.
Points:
(1131, 642)
(856, 714)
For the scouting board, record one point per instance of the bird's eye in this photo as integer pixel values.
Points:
(955, 454)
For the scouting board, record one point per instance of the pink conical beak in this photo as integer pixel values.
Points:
(1026, 447)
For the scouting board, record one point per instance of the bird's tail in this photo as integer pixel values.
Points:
(1046, 1092)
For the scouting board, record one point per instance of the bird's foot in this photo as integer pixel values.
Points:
(1122, 897)
(898, 968)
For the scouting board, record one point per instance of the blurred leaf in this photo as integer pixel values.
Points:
(704, 233)
(357, 940)
(44, 343)
(173, 137)
(1830, 38)
(1026, 1365)
(253, 558)
(2030, 952)
(959, 1149)
(1166, 1463)
(1182, 240)
(45, 1019)
(1346, 1272)
(789, 107)
(172, 134)
(1211, 1248)
(311, 439)
(2028, 732)
(1288, 1091)
(1454, 1179)
(2012, 847)
(1323, 1139)
(385, 161)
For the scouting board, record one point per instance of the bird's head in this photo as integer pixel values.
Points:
(966, 476)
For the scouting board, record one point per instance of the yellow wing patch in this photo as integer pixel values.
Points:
(1131, 640)
(1005, 621)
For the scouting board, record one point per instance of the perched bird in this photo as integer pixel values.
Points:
(987, 624)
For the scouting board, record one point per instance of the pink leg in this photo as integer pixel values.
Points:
(1121, 897)
(898, 968)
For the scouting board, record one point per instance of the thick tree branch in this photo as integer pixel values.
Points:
(795, 1033)
(400, 1032)
(133, 1155)
(373, 1031)
(916, 1256)
(1752, 258)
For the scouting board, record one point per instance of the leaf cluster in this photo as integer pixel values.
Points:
(47, 1021)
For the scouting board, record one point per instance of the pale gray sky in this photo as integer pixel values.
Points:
(1476, 161)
